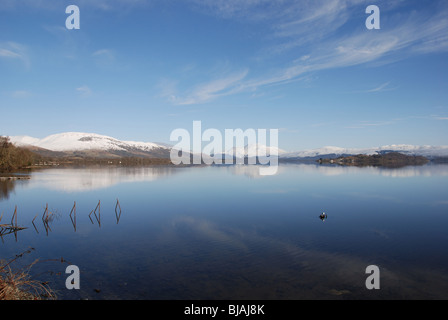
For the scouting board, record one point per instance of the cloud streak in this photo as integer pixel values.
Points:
(315, 26)
(380, 88)
(210, 90)
(84, 91)
(13, 50)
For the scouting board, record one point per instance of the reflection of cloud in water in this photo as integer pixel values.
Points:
(409, 171)
(303, 272)
(209, 231)
(426, 171)
(73, 180)
(251, 171)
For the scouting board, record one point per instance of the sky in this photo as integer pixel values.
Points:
(139, 69)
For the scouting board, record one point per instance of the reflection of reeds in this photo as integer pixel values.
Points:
(14, 215)
(18, 285)
(13, 227)
(73, 218)
(47, 217)
(118, 213)
(34, 224)
(98, 217)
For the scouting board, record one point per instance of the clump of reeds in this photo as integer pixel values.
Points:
(17, 284)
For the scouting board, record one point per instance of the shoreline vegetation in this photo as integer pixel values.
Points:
(14, 158)
(16, 282)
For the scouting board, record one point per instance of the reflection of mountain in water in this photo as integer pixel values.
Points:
(72, 180)
(252, 171)
(409, 171)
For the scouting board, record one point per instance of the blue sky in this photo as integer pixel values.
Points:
(138, 69)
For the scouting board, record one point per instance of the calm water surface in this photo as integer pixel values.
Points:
(229, 233)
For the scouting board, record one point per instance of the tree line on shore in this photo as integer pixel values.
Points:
(13, 157)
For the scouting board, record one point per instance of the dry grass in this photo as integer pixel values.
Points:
(18, 284)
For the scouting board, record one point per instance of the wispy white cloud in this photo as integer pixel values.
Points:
(209, 90)
(104, 57)
(104, 53)
(315, 27)
(84, 91)
(14, 50)
(8, 53)
(381, 88)
(167, 89)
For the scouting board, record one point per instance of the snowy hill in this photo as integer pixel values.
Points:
(253, 150)
(427, 151)
(89, 142)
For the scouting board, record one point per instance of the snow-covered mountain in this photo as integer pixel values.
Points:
(427, 151)
(87, 143)
(254, 150)
(78, 141)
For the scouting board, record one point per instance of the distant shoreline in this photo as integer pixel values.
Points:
(11, 178)
(388, 160)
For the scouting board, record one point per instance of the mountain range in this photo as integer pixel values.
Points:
(331, 152)
(95, 145)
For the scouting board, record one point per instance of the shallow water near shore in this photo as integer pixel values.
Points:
(229, 233)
